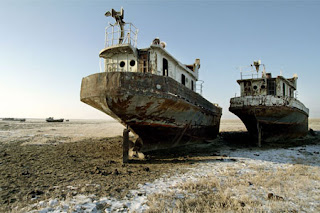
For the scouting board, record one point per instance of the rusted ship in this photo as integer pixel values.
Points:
(149, 91)
(51, 119)
(268, 106)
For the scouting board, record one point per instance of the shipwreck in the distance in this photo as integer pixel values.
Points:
(268, 106)
(149, 91)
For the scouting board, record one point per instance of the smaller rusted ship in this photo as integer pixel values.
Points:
(51, 119)
(268, 106)
(149, 91)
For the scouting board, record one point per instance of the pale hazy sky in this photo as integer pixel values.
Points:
(46, 47)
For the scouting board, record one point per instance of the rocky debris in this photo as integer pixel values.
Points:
(110, 162)
(116, 172)
(271, 196)
(242, 204)
(25, 173)
(97, 170)
(35, 193)
(136, 154)
(313, 133)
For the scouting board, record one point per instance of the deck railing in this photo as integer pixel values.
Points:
(117, 36)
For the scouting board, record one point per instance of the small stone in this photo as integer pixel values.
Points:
(147, 169)
(104, 173)
(271, 196)
(25, 173)
(140, 193)
(256, 154)
(250, 184)
(225, 156)
(242, 204)
(132, 153)
(141, 155)
(115, 172)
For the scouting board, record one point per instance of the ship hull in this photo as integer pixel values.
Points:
(276, 122)
(161, 111)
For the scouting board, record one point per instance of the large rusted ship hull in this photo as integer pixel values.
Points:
(161, 111)
(277, 123)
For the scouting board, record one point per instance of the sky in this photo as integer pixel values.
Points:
(47, 47)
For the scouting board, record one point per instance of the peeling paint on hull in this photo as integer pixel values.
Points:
(277, 122)
(161, 111)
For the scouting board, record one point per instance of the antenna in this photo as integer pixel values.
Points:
(118, 16)
(257, 64)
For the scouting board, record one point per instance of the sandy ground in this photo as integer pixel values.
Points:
(77, 166)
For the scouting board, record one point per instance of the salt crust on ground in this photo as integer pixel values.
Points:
(136, 200)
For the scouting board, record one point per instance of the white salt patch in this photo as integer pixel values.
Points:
(53, 202)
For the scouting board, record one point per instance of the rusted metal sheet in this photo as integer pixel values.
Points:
(161, 111)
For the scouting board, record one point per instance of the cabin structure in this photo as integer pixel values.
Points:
(122, 55)
(266, 85)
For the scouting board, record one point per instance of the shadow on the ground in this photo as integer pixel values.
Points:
(221, 149)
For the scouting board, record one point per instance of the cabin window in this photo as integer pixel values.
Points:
(255, 87)
(284, 89)
(192, 85)
(122, 63)
(165, 67)
(271, 85)
(183, 79)
(132, 63)
(263, 87)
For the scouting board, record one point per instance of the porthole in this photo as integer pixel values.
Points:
(263, 87)
(122, 63)
(255, 87)
(132, 63)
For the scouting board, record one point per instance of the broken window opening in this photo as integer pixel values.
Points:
(143, 62)
(271, 85)
(183, 79)
(165, 67)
